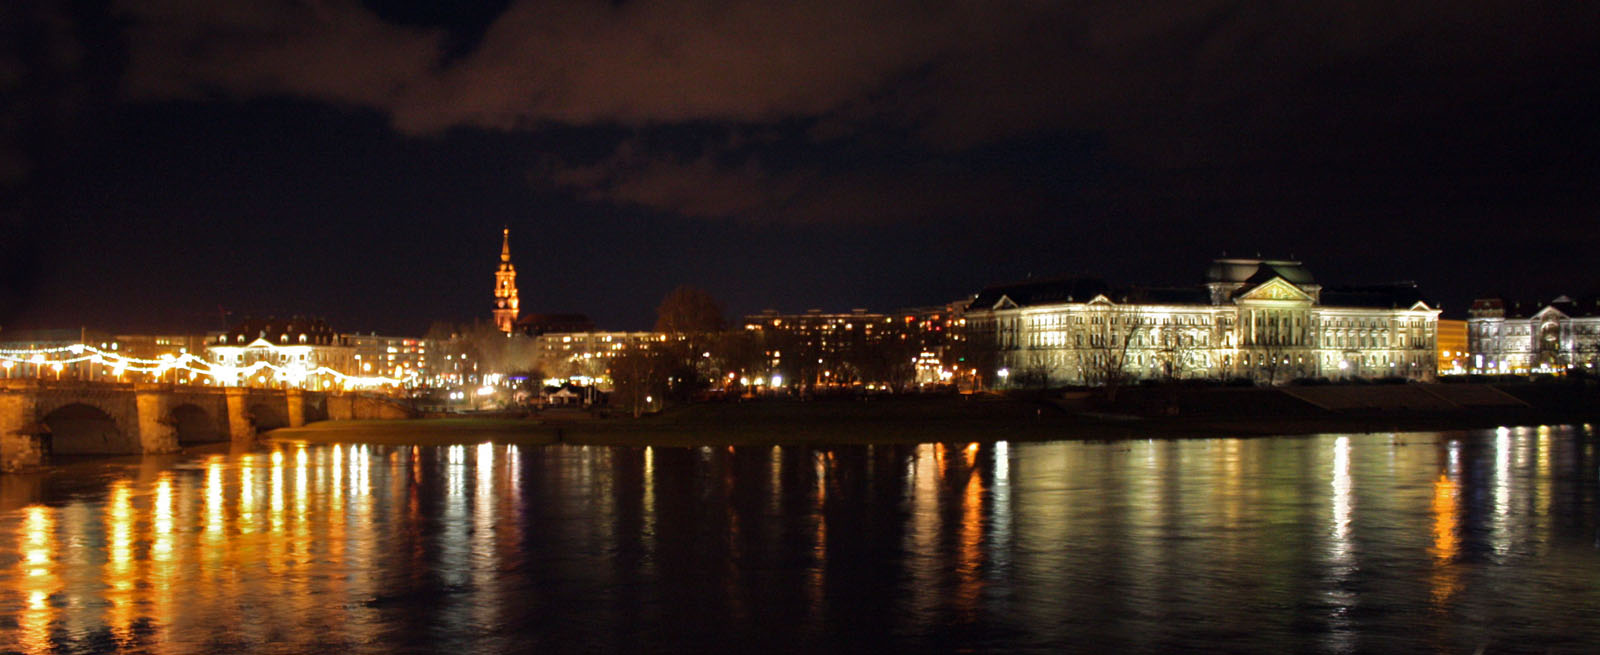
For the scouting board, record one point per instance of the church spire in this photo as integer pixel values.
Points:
(505, 287)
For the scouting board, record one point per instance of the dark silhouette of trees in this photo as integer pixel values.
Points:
(691, 320)
(637, 379)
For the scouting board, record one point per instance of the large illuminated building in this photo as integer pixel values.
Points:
(295, 349)
(1265, 320)
(505, 287)
(1505, 336)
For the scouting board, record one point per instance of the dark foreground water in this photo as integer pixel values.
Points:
(1421, 542)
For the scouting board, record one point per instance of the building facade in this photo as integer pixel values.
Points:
(816, 348)
(1505, 336)
(282, 353)
(1454, 356)
(1265, 320)
(406, 358)
(585, 357)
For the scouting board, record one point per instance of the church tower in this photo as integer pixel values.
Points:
(505, 287)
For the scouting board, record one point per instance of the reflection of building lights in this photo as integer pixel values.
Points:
(485, 391)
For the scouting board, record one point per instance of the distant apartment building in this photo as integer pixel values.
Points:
(1507, 336)
(153, 346)
(937, 333)
(1265, 320)
(894, 350)
(566, 355)
(590, 345)
(423, 361)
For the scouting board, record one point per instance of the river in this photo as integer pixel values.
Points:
(1412, 542)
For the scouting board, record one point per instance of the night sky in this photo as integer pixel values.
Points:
(166, 160)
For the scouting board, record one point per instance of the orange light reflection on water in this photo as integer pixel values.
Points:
(39, 581)
(1446, 540)
(119, 576)
(969, 551)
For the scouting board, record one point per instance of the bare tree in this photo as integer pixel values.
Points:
(637, 377)
(1034, 371)
(1175, 353)
(1274, 362)
(691, 319)
(1111, 334)
(689, 310)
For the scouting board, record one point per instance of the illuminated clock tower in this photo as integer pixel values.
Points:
(505, 287)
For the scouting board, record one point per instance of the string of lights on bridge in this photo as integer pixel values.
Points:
(56, 359)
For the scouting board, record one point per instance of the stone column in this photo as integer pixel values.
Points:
(296, 400)
(21, 444)
(157, 433)
(239, 426)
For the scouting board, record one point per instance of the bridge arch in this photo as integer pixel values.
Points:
(83, 429)
(195, 425)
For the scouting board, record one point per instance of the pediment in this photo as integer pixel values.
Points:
(1100, 299)
(1421, 306)
(1276, 289)
(1550, 313)
(1005, 302)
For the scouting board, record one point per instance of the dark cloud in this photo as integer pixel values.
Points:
(1224, 87)
(333, 50)
(827, 183)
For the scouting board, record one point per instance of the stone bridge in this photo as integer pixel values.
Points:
(39, 418)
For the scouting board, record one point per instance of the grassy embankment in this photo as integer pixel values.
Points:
(1138, 413)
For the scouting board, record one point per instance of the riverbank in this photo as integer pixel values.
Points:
(1138, 413)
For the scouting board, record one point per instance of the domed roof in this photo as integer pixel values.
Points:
(1259, 270)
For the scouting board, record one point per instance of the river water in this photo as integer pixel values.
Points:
(1417, 542)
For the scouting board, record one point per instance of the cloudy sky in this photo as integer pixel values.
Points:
(164, 161)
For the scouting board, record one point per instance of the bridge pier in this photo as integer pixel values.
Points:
(239, 426)
(153, 405)
(296, 399)
(21, 444)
